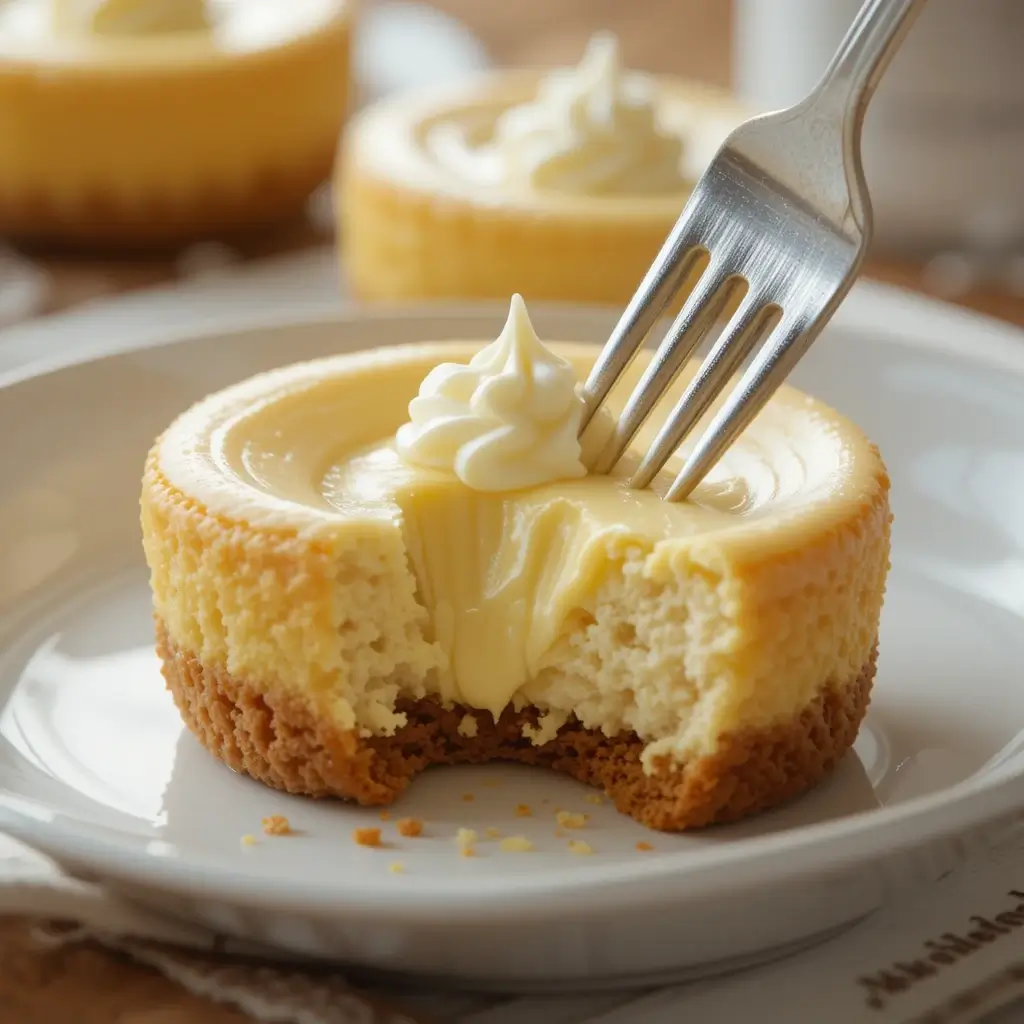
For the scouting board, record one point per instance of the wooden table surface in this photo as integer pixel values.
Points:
(692, 37)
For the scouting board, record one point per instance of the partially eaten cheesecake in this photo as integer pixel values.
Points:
(349, 588)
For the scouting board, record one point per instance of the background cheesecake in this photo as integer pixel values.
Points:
(148, 122)
(560, 186)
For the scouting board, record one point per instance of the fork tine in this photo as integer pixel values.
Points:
(746, 329)
(769, 369)
(699, 314)
(679, 254)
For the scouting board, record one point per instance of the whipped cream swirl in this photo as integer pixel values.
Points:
(129, 17)
(591, 129)
(506, 421)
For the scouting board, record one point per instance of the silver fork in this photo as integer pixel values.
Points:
(782, 218)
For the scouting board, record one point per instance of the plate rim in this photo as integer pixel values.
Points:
(970, 807)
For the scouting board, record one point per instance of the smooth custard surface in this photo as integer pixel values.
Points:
(292, 547)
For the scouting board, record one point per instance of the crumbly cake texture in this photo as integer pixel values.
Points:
(158, 168)
(678, 664)
(279, 739)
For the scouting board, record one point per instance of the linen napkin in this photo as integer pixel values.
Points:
(950, 953)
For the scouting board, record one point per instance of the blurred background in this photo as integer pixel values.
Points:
(944, 141)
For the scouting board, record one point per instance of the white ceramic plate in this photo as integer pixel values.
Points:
(96, 770)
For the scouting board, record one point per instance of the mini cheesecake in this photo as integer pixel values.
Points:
(560, 186)
(333, 618)
(152, 122)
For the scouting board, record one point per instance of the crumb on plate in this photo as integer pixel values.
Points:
(568, 819)
(643, 847)
(385, 815)
(493, 833)
(579, 847)
(409, 827)
(595, 798)
(465, 839)
(366, 836)
(248, 839)
(516, 844)
(468, 798)
(523, 811)
(396, 867)
(276, 825)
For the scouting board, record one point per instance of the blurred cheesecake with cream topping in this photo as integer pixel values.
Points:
(146, 122)
(561, 186)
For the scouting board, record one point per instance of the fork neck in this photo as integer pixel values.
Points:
(862, 57)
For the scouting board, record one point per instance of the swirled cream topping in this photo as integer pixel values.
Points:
(506, 421)
(129, 17)
(591, 129)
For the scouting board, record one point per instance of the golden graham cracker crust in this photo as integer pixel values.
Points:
(278, 739)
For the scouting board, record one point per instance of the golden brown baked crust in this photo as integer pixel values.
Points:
(278, 739)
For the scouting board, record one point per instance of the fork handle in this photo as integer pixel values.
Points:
(864, 54)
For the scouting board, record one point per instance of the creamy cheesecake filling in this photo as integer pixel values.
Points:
(353, 577)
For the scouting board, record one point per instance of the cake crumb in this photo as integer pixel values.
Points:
(580, 848)
(595, 798)
(516, 844)
(468, 798)
(523, 811)
(366, 836)
(493, 833)
(409, 827)
(276, 825)
(468, 727)
(396, 867)
(559, 834)
(492, 783)
(385, 815)
(248, 840)
(465, 838)
(644, 847)
(568, 819)
(546, 728)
